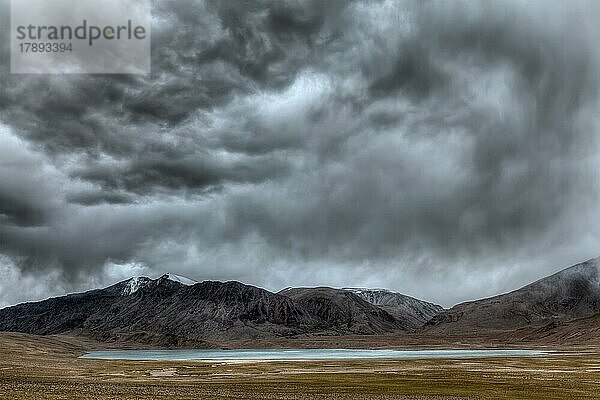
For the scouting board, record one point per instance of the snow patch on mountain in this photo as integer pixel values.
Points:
(399, 305)
(368, 291)
(379, 297)
(134, 284)
(137, 282)
(180, 279)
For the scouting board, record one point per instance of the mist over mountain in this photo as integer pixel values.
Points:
(568, 295)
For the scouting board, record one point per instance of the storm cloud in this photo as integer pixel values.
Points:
(446, 150)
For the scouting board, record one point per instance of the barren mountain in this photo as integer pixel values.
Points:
(174, 310)
(567, 295)
(345, 312)
(405, 308)
(165, 307)
(177, 311)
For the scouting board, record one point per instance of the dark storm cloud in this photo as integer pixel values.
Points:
(340, 143)
(26, 196)
(91, 198)
(193, 172)
(515, 170)
(413, 73)
(18, 210)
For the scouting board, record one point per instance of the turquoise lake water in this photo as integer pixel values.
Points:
(300, 354)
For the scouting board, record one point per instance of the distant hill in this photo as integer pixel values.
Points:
(345, 312)
(413, 312)
(568, 295)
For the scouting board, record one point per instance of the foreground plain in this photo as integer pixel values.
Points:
(48, 368)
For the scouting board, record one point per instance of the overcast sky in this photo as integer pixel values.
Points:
(447, 150)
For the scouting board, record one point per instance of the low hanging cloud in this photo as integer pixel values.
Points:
(447, 150)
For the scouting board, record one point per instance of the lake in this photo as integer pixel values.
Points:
(301, 354)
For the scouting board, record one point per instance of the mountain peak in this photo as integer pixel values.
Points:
(359, 290)
(179, 279)
(137, 282)
(134, 284)
(401, 306)
(570, 294)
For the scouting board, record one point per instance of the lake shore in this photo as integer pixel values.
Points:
(34, 367)
(305, 355)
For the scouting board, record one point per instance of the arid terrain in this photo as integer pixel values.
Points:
(33, 367)
(558, 314)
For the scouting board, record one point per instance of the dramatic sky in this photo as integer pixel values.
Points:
(445, 149)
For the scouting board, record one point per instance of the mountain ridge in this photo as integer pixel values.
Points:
(566, 295)
(195, 311)
(416, 311)
(177, 311)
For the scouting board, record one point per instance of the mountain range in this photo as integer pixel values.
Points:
(177, 311)
(173, 309)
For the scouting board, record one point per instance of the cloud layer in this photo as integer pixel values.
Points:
(447, 150)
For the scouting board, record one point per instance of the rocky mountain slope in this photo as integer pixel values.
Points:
(164, 307)
(415, 313)
(345, 312)
(175, 310)
(568, 295)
